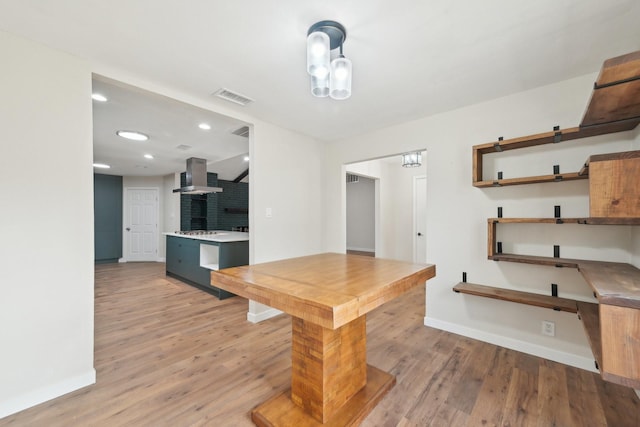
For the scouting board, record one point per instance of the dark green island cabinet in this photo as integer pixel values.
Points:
(190, 258)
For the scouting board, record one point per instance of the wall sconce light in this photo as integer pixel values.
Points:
(329, 77)
(412, 160)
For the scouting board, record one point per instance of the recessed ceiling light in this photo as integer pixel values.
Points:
(148, 156)
(204, 126)
(98, 97)
(101, 166)
(130, 134)
(246, 158)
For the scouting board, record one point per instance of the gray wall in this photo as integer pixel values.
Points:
(107, 208)
(361, 215)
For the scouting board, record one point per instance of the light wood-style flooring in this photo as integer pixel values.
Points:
(167, 354)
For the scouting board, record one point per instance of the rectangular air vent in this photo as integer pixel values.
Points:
(243, 131)
(235, 97)
(352, 178)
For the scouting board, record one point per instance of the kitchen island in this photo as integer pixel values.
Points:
(191, 256)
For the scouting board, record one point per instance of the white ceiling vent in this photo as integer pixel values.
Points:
(243, 131)
(184, 147)
(351, 179)
(235, 97)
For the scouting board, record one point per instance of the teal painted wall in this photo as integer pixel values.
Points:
(215, 211)
(107, 208)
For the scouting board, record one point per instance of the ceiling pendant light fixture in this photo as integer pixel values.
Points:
(412, 160)
(329, 77)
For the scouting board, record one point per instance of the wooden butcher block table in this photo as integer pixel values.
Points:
(328, 296)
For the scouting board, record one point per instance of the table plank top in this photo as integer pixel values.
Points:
(327, 289)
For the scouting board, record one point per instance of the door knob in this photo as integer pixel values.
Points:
(128, 229)
(419, 234)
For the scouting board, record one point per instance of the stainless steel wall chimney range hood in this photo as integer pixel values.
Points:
(197, 178)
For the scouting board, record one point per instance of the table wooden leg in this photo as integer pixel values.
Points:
(331, 383)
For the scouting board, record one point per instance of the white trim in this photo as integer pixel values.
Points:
(267, 314)
(43, 394)
(122, 260)
(361, 249)
(514, 344)
(161, 259)
(638, 393)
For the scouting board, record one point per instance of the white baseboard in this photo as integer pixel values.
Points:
(350, 248)
(161, 259)
(43, 394)
(122, 260)
(267, 314)
(514, 344)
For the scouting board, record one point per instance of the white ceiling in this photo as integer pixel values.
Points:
(411, 58)
(169, 124)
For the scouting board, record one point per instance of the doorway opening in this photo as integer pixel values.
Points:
(398, 210)
(361, 215)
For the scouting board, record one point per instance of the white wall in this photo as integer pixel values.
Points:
(46, 222)
(170, 209)
(157, 182)
(398, 228)
(457, 213)
(287, 178)
(361, 214)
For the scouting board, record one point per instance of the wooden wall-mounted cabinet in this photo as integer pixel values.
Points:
(614, 185)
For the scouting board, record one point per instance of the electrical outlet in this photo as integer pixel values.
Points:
(548, 328)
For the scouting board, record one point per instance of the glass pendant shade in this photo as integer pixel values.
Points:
(412, 160)
(340, 81)
(320, 86)
(318, 54)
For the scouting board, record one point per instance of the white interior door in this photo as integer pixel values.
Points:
(141, 224)
(419, 219)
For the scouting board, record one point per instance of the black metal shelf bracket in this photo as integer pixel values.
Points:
(557, 137)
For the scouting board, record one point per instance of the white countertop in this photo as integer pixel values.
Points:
(222, 236)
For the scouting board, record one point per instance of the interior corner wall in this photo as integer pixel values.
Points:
(457, 213)
(285, 198)
(46, 220)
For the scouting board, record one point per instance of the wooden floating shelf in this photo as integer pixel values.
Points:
(614, 283)
(572, 176)
(587, 221)
(528, 298)
(236, 210)
(560, 135)
(615, 94)
(537, 260)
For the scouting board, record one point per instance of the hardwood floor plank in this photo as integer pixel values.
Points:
(553, 396)
(493, 393)
(167, 354)
(521, 406)
(464, 394)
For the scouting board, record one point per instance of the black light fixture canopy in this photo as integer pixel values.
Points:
(335, 30)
